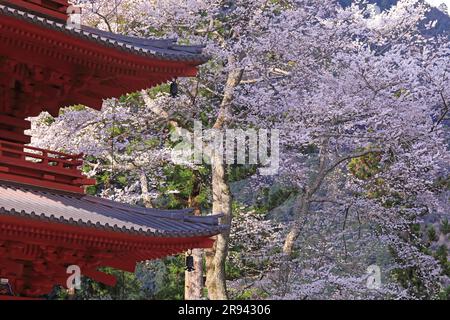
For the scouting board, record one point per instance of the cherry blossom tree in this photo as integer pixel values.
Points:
(365, 86)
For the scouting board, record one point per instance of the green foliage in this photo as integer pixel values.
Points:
(400, 92)
(48, 121)
(445, 294)
(270, 198)
(410, 278)
(104, 178)
(77, 107)
(446, 183)
(235, 208)
(245, 295)
(156, 32)
(445, 227)
(155, 91)
(279, 196)
(365, 167)
(115, 131)
(310, 149)
(92, 190)
(240, 172)
(416, 229)
(181, 181)
(185, 187)
(128, 288)
(432, 235)
(441, 255)
(131, 98)
(251, 294)
(122, 179)
(233, 271)
(173, 288)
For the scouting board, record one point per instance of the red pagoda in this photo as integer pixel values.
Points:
(47, 222)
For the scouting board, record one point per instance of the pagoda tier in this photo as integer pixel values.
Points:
(42, 232)
(45, 65)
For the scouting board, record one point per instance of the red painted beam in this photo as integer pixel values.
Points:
(40, 183)
(101, 277)
(81, 64)
(43, 250)
(100, 53)
(14, 136)
(78, 237)
(123, 263)
(11, 298)
(15, 122)
(43, 168)
(55, 12)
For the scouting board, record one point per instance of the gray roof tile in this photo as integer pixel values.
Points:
(85, 210)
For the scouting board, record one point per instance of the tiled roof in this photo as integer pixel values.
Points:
(88, 211)
(165, 49)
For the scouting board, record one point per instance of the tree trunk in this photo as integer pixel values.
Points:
(301, 207)
(293, 234)
(303, 204)
(216, 257)
(193, 283)
(147, 199)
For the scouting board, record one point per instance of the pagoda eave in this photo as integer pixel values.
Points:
(54, 69)
(34, 255)
(44, 231)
